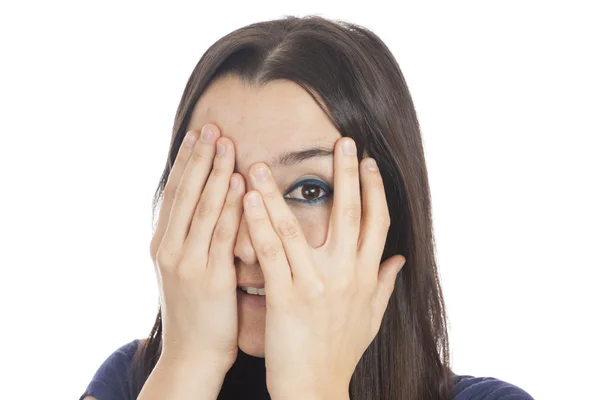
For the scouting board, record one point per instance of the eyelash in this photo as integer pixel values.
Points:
(311, 182)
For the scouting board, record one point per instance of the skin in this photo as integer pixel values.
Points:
(319, 261)
(261, 122)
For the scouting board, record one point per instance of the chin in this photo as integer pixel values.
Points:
(252, 341)
(251, 331)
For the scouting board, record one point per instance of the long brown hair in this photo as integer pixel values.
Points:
(366, 97)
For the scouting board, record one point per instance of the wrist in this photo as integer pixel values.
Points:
(212, 365)
(205, 369)
(308, 386)
(304, 394)
(296, 396)
(183, 378)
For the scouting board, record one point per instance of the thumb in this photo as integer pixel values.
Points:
(386, 280)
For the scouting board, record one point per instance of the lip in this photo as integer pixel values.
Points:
(251, 300)
(254, 285)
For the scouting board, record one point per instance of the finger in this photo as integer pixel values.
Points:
(190, 187)
(268, 247)
(386, 280)
(375, 221)
(183, 155)
(344, 224)
(214, 200)
(284, 223)
(220, 254)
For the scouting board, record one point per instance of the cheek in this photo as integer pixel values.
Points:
(314, 224)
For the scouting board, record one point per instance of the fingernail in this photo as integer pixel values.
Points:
(253, 199)
(221, 149)
(348, 147)
(400, 265)
(234, 183)
(371, 164)
(261, 174)
(190, 138)
(207, 134)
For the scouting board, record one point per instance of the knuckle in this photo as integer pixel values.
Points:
(350, 171)
(269, 251)
(271, 195)
(345, 284)
(217, 171)
(203, 210)
(222, 234)
(260, 219)
(288, 229)
(166, 259)
(352, 212)
(230, 204)
(385, 221)
(182, 192)
(197, 155)
(315, 291)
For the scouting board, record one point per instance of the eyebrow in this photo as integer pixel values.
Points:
(296, 157)
(289, 158)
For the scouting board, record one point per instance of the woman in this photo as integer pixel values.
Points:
(271, 285)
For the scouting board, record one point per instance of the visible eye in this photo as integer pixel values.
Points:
(309, 191)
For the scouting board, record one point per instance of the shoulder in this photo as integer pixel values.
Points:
(111, 380)
(126, 351)
(467, 387)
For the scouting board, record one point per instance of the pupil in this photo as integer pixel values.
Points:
(310, 193)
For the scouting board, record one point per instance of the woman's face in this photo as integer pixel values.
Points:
(265, 123)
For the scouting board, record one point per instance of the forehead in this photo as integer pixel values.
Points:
(263, 121)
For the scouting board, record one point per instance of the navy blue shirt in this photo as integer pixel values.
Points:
(110, 382)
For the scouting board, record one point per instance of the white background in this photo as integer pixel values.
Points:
(508, 98)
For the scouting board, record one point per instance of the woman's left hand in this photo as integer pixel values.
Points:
(325, 304)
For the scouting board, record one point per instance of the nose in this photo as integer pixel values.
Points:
(243, 245)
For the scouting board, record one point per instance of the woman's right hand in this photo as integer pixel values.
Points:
(192, 251)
